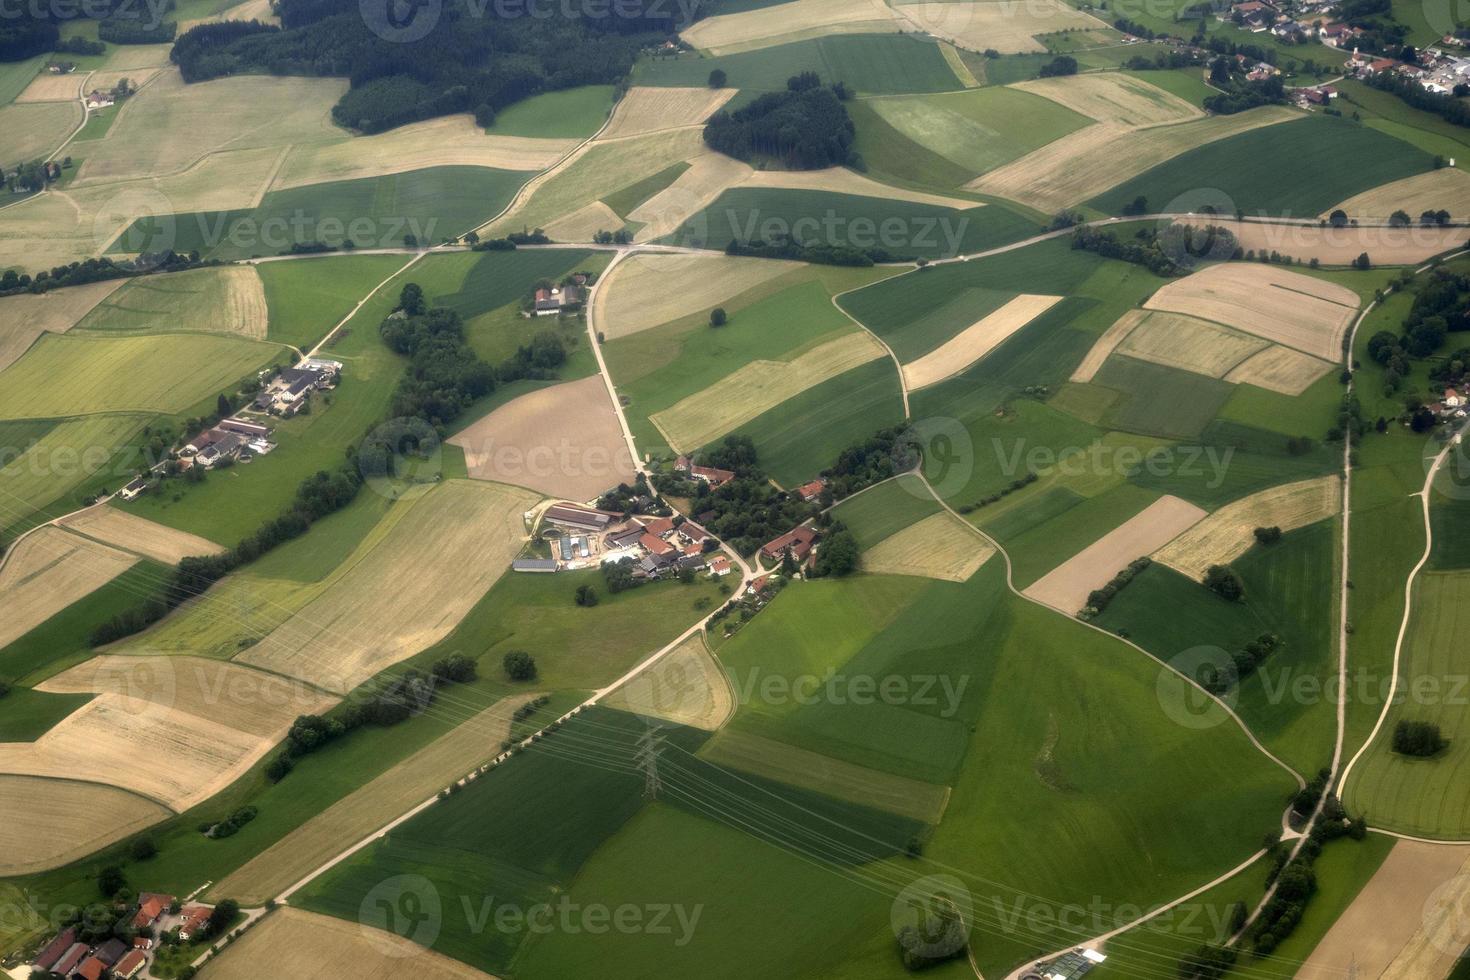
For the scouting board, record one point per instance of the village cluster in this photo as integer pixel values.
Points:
(157, 917)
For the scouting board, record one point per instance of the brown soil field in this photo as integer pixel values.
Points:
(1066, 587)
(708, 176)
(47, 87)
(46, 823)
(939, 546)
(769, 759)
(1340, 246)
(1106, 344)
(731, 33)
(1446, 189)
(646, 291)
(686, 687)
(1184, 342)
(459, 537)
(975, 341)
(1113, 97)
(1383, 930)
(1284, 307)
(563, 441)
(1280, 369)
(647, 109)
(759, 386)
(1228, 533)
(371, 806)
(25, 317)
(47, 572)
(291, 943)
(1009, 28)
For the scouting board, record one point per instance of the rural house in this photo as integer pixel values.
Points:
(798, 541)
(192, 919)
(550, 302)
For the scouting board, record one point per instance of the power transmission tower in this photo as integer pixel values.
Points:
(650, 743)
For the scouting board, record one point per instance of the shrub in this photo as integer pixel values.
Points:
(520, 666)
(1268, 535)
(1222, 580)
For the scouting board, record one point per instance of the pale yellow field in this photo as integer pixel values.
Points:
(25, 317)
(840, 180)
(372, 805)
(1008, 27)
(45, 823)
(1280, 369)
(583, 224)
(139, 535)
(1106, 344)
(35, 130)
(47, 572)
(1081, 165)
(939, 546)
(1340, 246)
(709, 175)
(1298, 311)
(648, 109)
(752, 29)
(564, 441)
(1444, 931)
(123, 57)
(47, 87)
(459, 538)
(975, 341)
(686, 687)
(758, 387)
(293, 943)
(1113, 97)
(1228, 533)
(447, 141)
(1446, 189)
(644, 291)
(767, 758)
(1185, 342)
(138, 77)
(1066, 587)
(226, 299)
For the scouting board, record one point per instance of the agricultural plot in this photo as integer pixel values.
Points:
(25, 317)
(640, 293)
(46, 823)
(1226, 534)
(229, 300)
(1160, 401)
(1339, 246)
(1187, 343)
(646, 109)
(1445, 189)
(707, 176)
(138, 535)
(1280, 369)
(1066, 587)
(1005, 27)
(48, 571)
(79, 374)
(840, 180)
(560, 114)
(564, 441)
(35, 130)
(749, 30)
(583, 224)
(47, 87)
(686, 687)
(461, 535)
(974, 342)
(885, 509)
(1113, 97)
(939, 547)
(48, 460)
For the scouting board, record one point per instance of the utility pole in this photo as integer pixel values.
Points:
(649, 745)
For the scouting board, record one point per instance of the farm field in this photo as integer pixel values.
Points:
(304, 300)
(1113, 97)
(981, 24)
(53, 464)
(975, 341)
(886, 509)
(1226, 534)
(634, 297)
(1339, 246)
(563, 114)
(939, 546)
(26, 318)
(686, 687)
(34, 130)
(749, 30)
(225, 301)
(47, 572)
(50, 822)
(648, 109)
(138, 535)
(1445, 189)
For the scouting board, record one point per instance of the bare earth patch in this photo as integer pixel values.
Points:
(1445, 189)
(46, 823)
(1113, 97)
(47, 572)
(1066, 587)
(139, 535)
(563, 441)
(25, 317)
(1227, 534)
(686, 687)
(1340, 246)
(645, 291)
(648, 109)
(975, 341)
(939, 546)
(768, 26)
(1280, 369)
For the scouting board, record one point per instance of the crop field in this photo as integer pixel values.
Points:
(975, 341)
(138, 535)
(663, 212)
(1080, 166)
(34, 130)
(1340, 246)
(561, 114)
(914, 332)
(563, 441)
(686, 687)
(1226, 534)
(1330, 159)
(1114, 97)
(1446, 189)
(1160, 401)
(840, 180)
(1066, 587)
(46, 823)
(637, 294)
(1007, 28)
(733, 33)
(648, 109)
(306, 299)
(885, 509)
(940, 547)
(368, 617)
(25, 317)
(1288, 308)
(583, 224)
(1188, 343)
(47, 572)
(225, 300)
(46, 87)
(1280, 369)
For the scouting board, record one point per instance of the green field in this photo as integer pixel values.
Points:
(52, 466)
(626, 200)
(16, 75)
(885, 510)
(567, 113)
(1230, 460)
(308, 297)
(25, 714)
(1161, 401)
(1387, 113)
(1299, 168)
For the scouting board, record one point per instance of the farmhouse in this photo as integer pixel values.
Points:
(557, 299)
(655, 546)
(714, 476)
(719, 566)
(288, 389)
(149, 909)
(811, 491)
(135, 487)
(69, 960)
(130, 965)
(91, 968)
(53, 951)
(192, 919)
(798, 541)
(579, 518)
(111, 951)
(97, 99)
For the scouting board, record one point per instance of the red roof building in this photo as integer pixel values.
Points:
(655, 546)
(811, 491)
(711, 475)
(91, 968)
(55, 949)
(659, 527)
(192, 919)
(149, 910)
(69, 959)
(798, 541)
(129, 966)
(719, 566)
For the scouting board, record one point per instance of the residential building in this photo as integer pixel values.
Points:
(192, 919)
(135, 487)
(53, 951)
(130, 965)
(798, 541)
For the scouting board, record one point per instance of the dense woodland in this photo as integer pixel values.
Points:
(805, 127)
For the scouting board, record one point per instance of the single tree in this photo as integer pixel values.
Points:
(586, 596)
(717, 78)
(519, 666)
(718, 317)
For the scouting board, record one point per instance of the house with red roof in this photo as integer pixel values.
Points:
(798, 541)
(91, 968)
(130, 965)
(55, 949)
(654, 545)
(811, 491)
(192, 920)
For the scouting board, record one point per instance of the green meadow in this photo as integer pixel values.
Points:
(565, 113)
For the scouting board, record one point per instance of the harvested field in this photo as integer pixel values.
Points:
(459, 537)
(584, 223)
(1066, 587)
(768, 26)
(1106, 344)
(645, 291)
(47, 87)
(45, 823)
(758, 387)
(1310, 315)
(1114, 97)
(47, 572)
(1090, 161)
(1190, 344)
(1227, 533)
(369, 807)
(447, 141)
(840, 180)
(975, 341)
(139, 535)
(131, 57)
(939, 546)
(1009, 28)
(1383, 933)
(1280, 369)
(563, 441)
(647, 110)
(25, 317)
(34, 130)
(228, 299)
(708, 176)
(108, 79)
(1340, 246)
(1445, 189)
(295, 943)
(812, 771)
(686, 687)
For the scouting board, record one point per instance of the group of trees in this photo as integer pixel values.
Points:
(1171, 252)
(806, 127)
(1441, 306)
(96, 270)
(1418, 738)
(1240, 95)
(1222, 580)
(444, 373)
(1098, 599)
